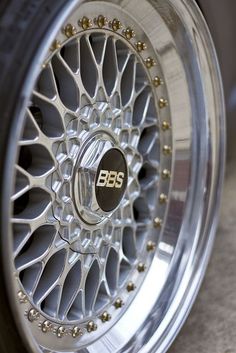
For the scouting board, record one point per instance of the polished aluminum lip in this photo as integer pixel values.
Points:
(157, 325)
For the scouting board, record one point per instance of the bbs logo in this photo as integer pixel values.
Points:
(110, 179)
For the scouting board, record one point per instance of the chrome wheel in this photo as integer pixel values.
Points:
(117, 171)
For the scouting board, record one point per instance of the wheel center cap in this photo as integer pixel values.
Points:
(111, 180)
(101, 179)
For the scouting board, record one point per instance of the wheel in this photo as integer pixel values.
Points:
(112, 159)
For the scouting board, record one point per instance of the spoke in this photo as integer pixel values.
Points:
(73, 267)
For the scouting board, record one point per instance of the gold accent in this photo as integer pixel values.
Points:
(163, 198)
(157, 81)
(91, 326)
(150, 62)
(141, 267)
(157, 222)
(165, 126)
(69, 30)
(166, 174)
(33, 315)
(115, 24)
(129, 33)
(163, 103)
(61, 331)
(76, 332)
(151, 246)
(56, 45)
(118, 303)
(130, 287)
(101, 21)
(105, 317)
(22, 297)
(141, 46)
(167, 150)
(44, 66)
(85, 23)
(46, 326)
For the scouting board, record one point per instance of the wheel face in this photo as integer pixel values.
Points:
(117, 176)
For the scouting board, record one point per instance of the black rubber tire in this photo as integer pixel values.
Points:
(23, 24)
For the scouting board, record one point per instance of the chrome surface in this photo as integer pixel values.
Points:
(172, 138)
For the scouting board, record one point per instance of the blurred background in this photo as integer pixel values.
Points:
(211, 326)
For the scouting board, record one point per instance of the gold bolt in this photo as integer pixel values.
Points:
(115, 24)
(61, 331)
(44, 65)
(165, 126)
(33, 315)
(22, 297)
(56, 45)
(69, 30)
(105, 316)
(157, 222)
(46, 326)
(151, 246)
(166, 174)
(163, 198)
(101, 21)
(118, 303)
(76, 332)
(150, 62)
(157, 81)
(141, 267)
(85, 23)
(140, 46)
(129, 33)
(91, 326)
(130, 287)
(163, 103)
(167, 150)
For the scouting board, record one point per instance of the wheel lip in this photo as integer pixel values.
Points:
(161, 341)
(151, 344)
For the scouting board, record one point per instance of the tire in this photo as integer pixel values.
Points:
(112, 147)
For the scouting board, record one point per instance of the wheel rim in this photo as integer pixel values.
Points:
(82, 268)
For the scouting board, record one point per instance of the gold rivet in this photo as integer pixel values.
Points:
(118, 303)
(69, 30)
(105, 317)
(56, 45)
(22, 297)
(33, 315)
(140, 46)
(157, 222)
(85, 23)
(141, 267)
(61, 331)
(163, 198)
(129, 33)
(163, 103)
(47, 326)
(91, 326)
(165, 126)
(130, 287)
(101, 21)
(167, 150)
(44, 65)
(157, 81)
(151, 246)
(150, 62)
(165, 174)
(76, 332)
(115, 24)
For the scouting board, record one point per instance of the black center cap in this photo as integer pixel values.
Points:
(111, 180)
